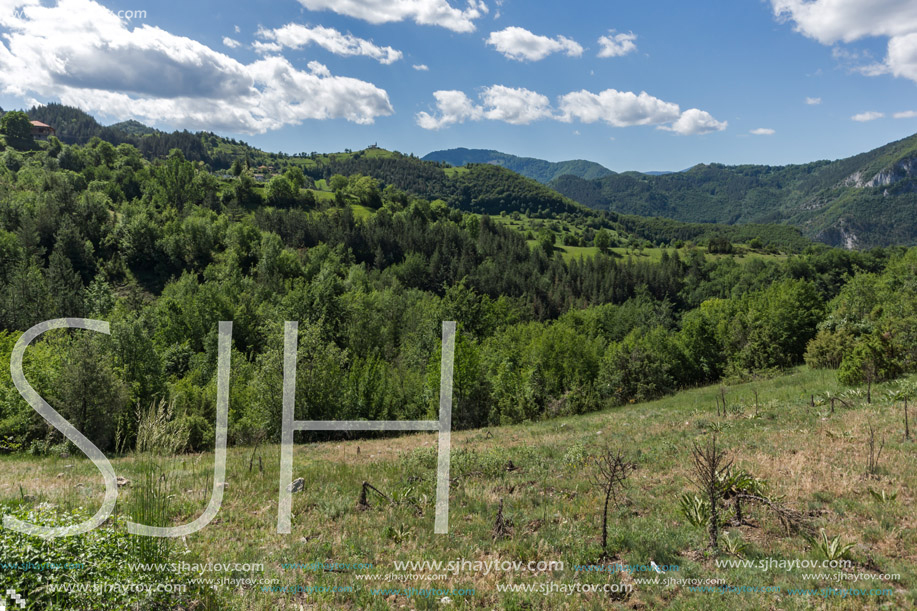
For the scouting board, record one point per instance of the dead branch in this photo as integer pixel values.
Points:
(792, 519)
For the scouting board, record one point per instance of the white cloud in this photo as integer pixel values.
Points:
(237, 29)
(617, 108)
(830, 21)
(421, 67)
(515, 106)
(616, 45)
(295, 36)
(695, 122)
(762, 131)
(813, 101)
(907, 114)
(453, 107)
(870, 115)
(521, 45)
(82, 54)
(422, 12)
(232, 44)
(902, 56)
(833, 21)
(522, 106)
(267, 48)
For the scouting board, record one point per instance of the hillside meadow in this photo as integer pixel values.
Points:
(780, 430)
(627, 391)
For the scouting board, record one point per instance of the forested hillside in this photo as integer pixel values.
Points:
(165, 249)
(858, 202)
(539, 169)
(476, 188)
(489, 189)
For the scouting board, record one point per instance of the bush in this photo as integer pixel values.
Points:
(643, 366)
(870, 361)
(827, 349)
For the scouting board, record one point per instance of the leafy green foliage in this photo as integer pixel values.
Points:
(881, 496)
(100, 557)
(695, 510)
(371, 251)
(733, 544)
(17, 130)
(831, 549)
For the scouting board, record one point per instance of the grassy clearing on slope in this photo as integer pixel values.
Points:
(812, 458)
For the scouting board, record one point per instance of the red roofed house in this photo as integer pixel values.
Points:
(41, 131)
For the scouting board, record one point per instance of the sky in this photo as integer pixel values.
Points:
(654, 85)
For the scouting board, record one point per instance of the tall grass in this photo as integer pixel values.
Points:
(160, 439)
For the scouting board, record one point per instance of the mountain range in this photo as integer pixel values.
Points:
(859, 202)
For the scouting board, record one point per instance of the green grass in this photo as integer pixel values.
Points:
(524, 224)
(655, 254)
(361, 213)
(576, 252)
(453, 172)
(321, 196)
(811, 458)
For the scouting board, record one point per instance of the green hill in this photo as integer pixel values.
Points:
(539, 169)
(858, 202)
(483, 188)
(491, 189)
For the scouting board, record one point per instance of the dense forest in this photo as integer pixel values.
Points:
(166, 248)
(858, 202)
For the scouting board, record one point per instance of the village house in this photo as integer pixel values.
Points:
(41, 131)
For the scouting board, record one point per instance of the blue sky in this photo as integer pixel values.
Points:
(647, 86)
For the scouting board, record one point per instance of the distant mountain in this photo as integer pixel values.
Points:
(859, 202)
(490, 189)
(539, 169)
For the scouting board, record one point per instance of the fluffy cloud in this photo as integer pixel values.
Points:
(833, 21)
(813, 101)
(231, 43)
(617, 108)
(522, 106)
(82, 54)
(907, 114)
(830, 21)
(902, 56)
(420, 67)
(616, 45)
(867, 116)
(295, 36)
(521, 45)
(267, 48)
(762, 131)
(515, 106)
(453, 107)
(694, 122)
(422, 12)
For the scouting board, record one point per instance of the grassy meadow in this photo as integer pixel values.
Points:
(814, 462)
